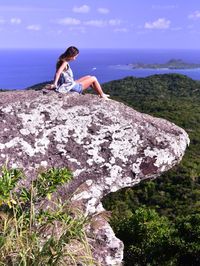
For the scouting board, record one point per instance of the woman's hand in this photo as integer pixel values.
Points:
(50, 86)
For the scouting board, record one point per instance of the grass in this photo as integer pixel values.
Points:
(37, 237)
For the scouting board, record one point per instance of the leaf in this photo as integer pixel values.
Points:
(49, 196)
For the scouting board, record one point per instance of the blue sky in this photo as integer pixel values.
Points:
(169, 24)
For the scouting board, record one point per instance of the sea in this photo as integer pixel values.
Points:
(20, 69)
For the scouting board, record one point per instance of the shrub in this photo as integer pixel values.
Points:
(30, 236)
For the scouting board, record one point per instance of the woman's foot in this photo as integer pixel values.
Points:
(105, 96)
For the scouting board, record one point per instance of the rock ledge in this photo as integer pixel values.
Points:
(107, 145)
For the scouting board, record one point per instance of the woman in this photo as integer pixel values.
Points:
(64, 81)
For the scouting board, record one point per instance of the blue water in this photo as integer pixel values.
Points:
(20, 69)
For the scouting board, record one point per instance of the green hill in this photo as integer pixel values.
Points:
(171, 64)
(159, 221)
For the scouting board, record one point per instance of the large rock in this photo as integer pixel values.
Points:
(107, 145)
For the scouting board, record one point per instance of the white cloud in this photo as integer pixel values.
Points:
(15, 21)
(114, 22)
(2, 21)
(69, 21)
(81, 9)
(103, 10)
(79, 29)
(195, 15)
(103, 23)
(121, 30)
(160, 23)
(96, 23)
(34, 27)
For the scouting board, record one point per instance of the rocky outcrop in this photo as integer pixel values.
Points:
(107, 145)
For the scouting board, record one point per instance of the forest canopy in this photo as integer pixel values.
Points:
(159, 220)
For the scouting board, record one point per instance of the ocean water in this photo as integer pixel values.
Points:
(20, 69)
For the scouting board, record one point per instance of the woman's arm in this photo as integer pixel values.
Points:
(58, 73)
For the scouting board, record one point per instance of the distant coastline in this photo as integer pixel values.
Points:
(36, 66)
(171, 64)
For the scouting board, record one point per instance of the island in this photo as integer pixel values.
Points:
(171, 64)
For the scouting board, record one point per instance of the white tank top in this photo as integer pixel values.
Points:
(66, 81)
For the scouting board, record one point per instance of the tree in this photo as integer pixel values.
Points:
(147, 238)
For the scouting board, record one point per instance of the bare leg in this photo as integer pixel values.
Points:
(93, 82)
(84, 78)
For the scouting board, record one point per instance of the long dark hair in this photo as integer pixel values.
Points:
(70, 52)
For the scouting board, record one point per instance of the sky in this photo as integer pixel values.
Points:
(138, 24)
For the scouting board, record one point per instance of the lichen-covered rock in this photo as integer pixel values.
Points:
(106, 144)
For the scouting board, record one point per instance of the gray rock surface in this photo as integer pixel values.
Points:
(107, 145)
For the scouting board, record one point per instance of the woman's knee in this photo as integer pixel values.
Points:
(93, 78)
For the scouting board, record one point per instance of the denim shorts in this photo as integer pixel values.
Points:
(77, 88)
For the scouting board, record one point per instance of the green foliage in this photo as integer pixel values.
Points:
(187, 239)
(146, 235)
(27, 235)
(176, 193)
(39, 86)
(47, 182)
(8, 180)
(152, 239)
